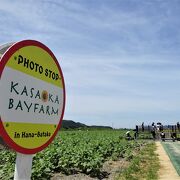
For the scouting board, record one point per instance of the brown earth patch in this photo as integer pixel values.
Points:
(109, 171)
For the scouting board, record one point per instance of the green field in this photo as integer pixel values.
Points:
(75, 151)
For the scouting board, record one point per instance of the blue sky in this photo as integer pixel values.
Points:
(120, 58)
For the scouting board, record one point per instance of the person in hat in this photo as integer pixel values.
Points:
(128, 135)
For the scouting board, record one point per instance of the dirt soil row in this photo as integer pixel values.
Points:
(109, 171)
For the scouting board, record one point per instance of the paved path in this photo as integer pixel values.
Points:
(167, 170)
(173, 151)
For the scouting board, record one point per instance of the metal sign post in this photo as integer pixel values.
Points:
(23, 167)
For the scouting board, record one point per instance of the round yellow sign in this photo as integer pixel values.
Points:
(32, 97)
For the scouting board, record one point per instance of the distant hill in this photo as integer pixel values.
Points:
(69, 124)
(100, 127)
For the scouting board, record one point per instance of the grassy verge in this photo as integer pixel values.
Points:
(143, 166)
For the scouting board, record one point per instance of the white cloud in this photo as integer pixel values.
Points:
(117, 57)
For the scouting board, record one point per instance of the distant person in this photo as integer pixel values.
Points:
(137, 129)
(143, 127)
(162, 136)
(135, 133)
(158, 126)
(178, 126)
(128, 135)
(173, 136)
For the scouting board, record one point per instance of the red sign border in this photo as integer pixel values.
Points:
(4, 59)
